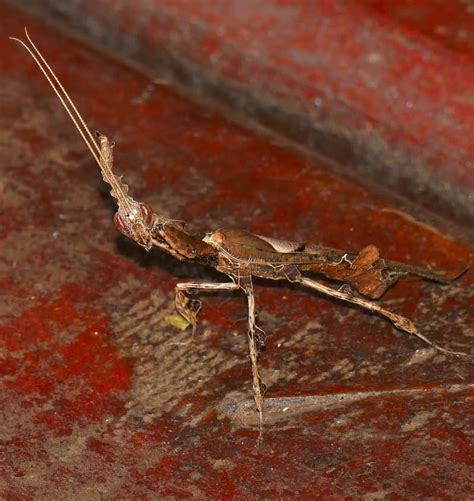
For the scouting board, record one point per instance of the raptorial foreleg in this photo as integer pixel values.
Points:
(190, 308)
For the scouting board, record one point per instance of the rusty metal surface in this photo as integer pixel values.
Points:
(381, 87)
(101, 397)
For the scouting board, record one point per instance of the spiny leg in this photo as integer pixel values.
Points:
(398, 321)
(257, 384)
(190, 308)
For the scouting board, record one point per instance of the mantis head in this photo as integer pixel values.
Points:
(136, 224)
(133, 219)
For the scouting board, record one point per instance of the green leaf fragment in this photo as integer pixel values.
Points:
(177, 321)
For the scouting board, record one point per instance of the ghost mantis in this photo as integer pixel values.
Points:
(241, 255)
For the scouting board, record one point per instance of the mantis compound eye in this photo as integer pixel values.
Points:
(146, 213)
(121, 225)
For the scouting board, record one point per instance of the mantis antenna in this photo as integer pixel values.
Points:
(103, 156)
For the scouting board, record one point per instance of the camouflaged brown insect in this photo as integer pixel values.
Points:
(241, 255)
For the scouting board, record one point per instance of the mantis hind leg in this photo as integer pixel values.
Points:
(400, 322)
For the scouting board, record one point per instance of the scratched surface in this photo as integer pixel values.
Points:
(101, 396)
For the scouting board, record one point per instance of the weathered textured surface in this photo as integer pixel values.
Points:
(101, 397)
(384, 88)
